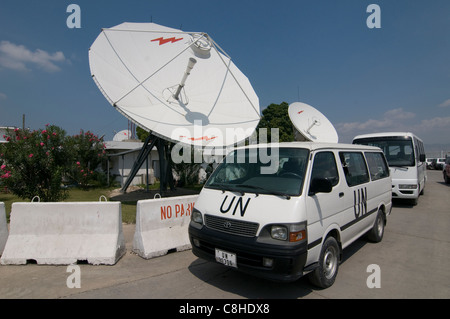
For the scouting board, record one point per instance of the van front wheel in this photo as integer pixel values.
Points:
(325, 275)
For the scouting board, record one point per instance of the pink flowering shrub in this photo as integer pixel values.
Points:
(33, 163)
(37, 162)
(87, 153)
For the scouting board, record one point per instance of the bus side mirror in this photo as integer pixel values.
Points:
(422, 157)
(320, 185)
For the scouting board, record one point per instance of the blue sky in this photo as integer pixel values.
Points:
(318, 52)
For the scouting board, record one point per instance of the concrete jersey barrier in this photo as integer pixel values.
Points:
(3, 227)
(64, 233)
(162, 225)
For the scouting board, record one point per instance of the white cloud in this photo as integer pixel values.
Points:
(18, 57)
(446, 103)
(434, 130)
(434, 123)
(391, 121)
(3, 96)
(398, 114)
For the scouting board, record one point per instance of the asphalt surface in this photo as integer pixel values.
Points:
(413, 261)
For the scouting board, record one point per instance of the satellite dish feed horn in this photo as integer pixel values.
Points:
(315, 122)
(190, 66)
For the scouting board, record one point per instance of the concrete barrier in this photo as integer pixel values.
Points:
(64, 233)
(3, 228)
(162, 225)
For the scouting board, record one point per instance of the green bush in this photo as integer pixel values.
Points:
(33, 163)
(86, 154)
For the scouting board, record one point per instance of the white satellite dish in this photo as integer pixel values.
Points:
(178, 85)
(311, 125)
(122, 136)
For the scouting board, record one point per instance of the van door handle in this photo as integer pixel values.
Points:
(341, 194)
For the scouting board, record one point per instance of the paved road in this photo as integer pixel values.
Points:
(413, 260)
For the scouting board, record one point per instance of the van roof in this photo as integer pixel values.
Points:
(312, 146)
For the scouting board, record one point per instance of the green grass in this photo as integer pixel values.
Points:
(79, 195)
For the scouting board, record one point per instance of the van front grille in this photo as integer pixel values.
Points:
(231, 226)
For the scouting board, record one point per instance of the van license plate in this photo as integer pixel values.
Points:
(226, 258)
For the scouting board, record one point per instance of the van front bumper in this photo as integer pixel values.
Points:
(288, 259)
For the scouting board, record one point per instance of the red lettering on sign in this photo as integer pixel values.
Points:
(166, 212)
(189, 209)
(181, 210)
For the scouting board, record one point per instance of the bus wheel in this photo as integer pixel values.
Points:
(376, 233)
(325, 275)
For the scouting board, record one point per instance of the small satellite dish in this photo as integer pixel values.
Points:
(311, 125)
(122, 136)
(180, 86)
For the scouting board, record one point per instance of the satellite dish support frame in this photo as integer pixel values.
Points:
(165, 168)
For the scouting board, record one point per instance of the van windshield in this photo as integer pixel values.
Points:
(398, 150)
(276, 171)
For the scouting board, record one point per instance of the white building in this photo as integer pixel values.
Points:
(3, 131)
(121, 157)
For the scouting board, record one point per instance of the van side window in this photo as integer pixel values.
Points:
(355, 168)
(325, 167)
(377, 165)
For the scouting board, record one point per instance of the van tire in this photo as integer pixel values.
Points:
(376, 233)
(325, 274)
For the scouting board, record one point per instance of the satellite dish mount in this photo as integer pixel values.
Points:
(176, 93)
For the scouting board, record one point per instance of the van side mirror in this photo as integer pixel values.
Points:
(320, 185)
(422, 157)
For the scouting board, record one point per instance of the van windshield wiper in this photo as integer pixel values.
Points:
(226, 187)
(400, 166)
(266, 191)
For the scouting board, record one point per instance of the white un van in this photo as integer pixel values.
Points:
(293, 214)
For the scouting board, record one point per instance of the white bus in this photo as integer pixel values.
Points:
(405, 154)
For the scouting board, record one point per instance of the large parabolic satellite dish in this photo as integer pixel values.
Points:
(179, 85)
(311, 124)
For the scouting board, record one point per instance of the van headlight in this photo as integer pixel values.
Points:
(197, 217)
(279, 232)
(407, 186)
(290, 232)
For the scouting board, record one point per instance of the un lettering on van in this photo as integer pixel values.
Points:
(227, 205)
(360, 202)
(176, 211)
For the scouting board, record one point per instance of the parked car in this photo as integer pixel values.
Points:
(440, 162)
(446, 171)
(430, 162)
